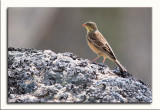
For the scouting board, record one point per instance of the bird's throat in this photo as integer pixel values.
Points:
(89, 29)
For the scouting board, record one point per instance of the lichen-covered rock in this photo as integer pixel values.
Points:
(36, 76)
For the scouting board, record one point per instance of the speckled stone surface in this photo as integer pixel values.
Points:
(36, 76)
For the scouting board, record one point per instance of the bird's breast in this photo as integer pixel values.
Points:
(93, 48)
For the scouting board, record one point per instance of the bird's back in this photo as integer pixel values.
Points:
(98, 40)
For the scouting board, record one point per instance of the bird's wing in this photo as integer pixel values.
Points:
(100, 43)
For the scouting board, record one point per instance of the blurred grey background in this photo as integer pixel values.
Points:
(128, 31)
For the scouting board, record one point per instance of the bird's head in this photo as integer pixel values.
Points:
(90, 26)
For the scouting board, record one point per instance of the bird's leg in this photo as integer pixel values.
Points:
(95, 59)
(104, 59)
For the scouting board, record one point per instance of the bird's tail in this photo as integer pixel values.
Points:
(120, 65)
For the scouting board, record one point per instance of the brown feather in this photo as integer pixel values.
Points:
(97, 39)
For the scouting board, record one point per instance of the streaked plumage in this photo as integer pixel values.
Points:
(99, 44)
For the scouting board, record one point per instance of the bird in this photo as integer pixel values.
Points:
(99, 45)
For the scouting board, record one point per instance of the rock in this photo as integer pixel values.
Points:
(36, 76)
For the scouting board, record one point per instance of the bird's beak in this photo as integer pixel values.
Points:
(84, 25)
